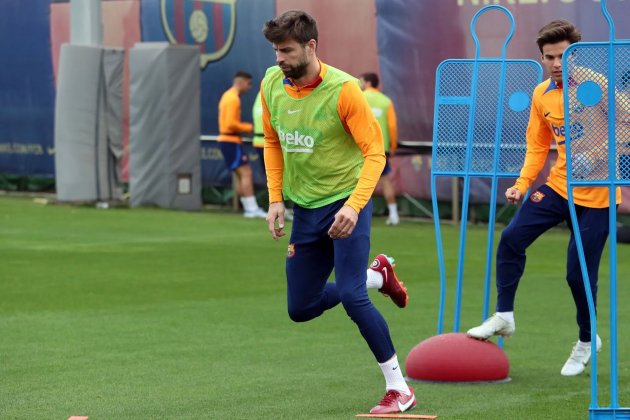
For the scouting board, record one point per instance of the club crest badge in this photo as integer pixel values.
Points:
(537, 197)
(291, 250)
(208, 24)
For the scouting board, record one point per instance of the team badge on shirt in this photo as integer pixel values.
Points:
(291, 250)
(537, 197)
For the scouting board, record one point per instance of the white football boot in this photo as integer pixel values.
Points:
(580, 356)
(495, 325)
(256, 214)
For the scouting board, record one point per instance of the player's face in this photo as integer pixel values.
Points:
(243, 84)
(362, 83)
(552, 59)
(294, 58)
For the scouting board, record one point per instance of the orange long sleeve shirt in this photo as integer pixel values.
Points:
(357, 119)
(230, 125)
(546, 122)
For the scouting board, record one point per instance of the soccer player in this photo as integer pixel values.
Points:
(230, 129)
(549, 206)
(383, 109)
(324, 152)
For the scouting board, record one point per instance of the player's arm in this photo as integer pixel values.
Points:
(274, 168)
(360, 123)
(392, 126)
(538, 144)
(234, 124)
(358, 120)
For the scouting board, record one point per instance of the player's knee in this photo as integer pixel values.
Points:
(353, 302)
(510, 242)
(301, 314)
(575, 280)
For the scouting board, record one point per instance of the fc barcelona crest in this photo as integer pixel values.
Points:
(537, 197)
(209, 24)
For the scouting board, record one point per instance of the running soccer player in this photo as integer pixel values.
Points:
(549, 206)
(324, 152)
(383, 109)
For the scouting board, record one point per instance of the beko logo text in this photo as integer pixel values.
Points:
(295, 139)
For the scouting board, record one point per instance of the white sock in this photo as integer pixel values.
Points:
(249, 203)
(393, 376)
(507, 316)
(393, 210)
(374, 279)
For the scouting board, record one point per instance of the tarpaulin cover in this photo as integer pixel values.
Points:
(88, 122)
(164, 163)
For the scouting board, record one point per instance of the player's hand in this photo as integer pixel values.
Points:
(513, 195)
(276, 215)
(345, 221)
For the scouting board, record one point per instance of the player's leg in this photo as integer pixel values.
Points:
(594, 233)
(245, 181)
(541, 211)
(238, 162)
(246, 192)
(390, 194)
(309, 263)
(245, 186)
(594, 229)
(351, 256)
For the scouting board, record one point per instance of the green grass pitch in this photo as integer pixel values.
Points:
(153, 314)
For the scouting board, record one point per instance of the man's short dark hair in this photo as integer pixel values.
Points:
(372, 78)
(558, 31)
(294, 24)
(243, 75)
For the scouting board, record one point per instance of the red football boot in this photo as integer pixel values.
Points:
(392, 287)
(395, 402)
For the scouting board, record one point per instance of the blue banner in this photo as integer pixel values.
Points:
(27, 95)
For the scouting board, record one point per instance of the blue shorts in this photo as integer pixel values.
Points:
(387, 169)
(233, 154)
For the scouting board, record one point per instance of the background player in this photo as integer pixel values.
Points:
(383, 109)
(230, 129)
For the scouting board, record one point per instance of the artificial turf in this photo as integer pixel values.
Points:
(155, 314)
